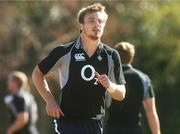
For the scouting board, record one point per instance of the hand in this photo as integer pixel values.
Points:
(103, 80)
(9, 131)
(53, 109)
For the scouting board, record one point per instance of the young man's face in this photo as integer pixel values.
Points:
(11, 85)
(93, 25)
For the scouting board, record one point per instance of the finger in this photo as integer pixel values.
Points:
(61, 112)
(54, 113)
(102, 81)
(97, 74)
(105, 84)
(48, 112)
(102, 77)
(57, 114)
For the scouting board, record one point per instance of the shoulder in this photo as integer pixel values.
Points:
(144, 77)
(62, 49)
(110, 51)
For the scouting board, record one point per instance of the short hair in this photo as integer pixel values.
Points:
(20, 78)
(126, 51)
(97, 7)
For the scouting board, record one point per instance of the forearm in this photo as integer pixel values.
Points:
(117, 91)
(41, 85)
(153, 121)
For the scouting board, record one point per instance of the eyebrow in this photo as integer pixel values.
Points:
(93, 18)
(90, 18)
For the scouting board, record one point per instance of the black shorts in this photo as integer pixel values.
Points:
(117, 129)
(74, 126)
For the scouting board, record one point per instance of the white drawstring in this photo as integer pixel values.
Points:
(56, 127)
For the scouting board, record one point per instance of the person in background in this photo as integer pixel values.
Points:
(21, 104)
(124, 117)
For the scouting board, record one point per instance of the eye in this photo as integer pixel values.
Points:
(91, 21)
(100, 21)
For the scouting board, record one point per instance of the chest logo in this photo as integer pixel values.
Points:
(79, 57)
(92, 76)
(92, 72)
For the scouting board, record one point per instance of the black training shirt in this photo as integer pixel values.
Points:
(82, 96)
(126, 114)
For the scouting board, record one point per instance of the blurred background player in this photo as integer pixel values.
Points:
(21, 104)
(124, 117)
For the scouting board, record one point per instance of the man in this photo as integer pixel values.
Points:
(21, 104)
(87, 68)
(124, 117)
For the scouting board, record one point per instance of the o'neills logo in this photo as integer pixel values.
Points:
(79, 57)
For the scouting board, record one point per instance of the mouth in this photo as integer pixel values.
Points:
(96, 30)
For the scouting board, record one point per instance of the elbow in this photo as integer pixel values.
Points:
(23, 118)
(25, 121)
(36, 74)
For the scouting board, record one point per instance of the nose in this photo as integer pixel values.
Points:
(97, 24)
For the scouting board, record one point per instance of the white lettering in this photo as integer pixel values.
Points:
(92, 72)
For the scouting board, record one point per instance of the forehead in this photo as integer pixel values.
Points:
(11, 80)
(96, 15)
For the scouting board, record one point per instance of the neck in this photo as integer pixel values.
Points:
(15, 90)
(89, 45)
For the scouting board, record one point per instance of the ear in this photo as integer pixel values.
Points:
(81, 26)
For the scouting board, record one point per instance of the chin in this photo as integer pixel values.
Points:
(94, 37)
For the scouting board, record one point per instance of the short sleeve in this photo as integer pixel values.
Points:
(48, 63)
(118, 72)
(19, 104)
(148, 89)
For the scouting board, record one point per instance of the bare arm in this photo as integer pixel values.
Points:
(152, 116)
(19, 123)
(41, 85)
(52, 108)
(117, 91)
